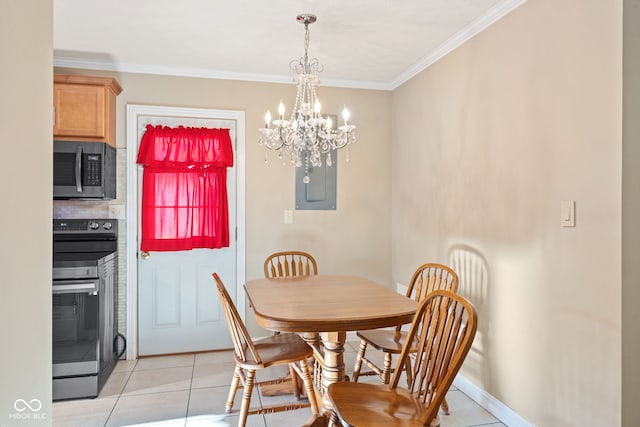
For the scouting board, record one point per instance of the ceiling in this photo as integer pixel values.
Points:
(372, 44)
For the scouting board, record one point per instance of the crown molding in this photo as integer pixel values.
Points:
(478, 25)
(86, 64)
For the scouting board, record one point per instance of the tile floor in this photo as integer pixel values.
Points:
(190, 391)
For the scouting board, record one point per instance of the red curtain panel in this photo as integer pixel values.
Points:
(184, 188)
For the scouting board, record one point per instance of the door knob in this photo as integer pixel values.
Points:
(144, 254)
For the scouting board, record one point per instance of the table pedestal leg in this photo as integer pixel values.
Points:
(333, 358)
(313, 339)
(332, 361)
(333, 370)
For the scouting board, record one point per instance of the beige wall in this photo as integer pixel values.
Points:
(487, 143)
(631, 216)
(355, 238)
(25, 230)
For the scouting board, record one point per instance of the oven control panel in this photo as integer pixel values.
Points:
(79, 226)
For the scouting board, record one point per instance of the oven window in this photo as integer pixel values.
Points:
(75, 327)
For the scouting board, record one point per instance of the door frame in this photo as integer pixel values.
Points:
(133, 111)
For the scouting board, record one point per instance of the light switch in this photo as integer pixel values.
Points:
(288, 217)
(568, 213)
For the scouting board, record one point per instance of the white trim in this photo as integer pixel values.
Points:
(494, 14)
(501, 9)
(133, 111)
(495, 407)
(70, 62)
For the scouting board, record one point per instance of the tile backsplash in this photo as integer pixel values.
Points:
(69, 209)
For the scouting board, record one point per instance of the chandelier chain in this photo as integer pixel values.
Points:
(306, 48)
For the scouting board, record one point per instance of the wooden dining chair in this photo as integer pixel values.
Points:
(251, 356)
(426, 279)
(443, 328)
(290, 264)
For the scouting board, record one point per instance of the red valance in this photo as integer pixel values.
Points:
(185, 147)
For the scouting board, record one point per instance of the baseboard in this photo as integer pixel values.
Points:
(492, 405)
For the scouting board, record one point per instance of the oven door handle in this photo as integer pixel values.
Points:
(74, 288)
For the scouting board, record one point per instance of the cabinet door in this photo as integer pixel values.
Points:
(79, 111)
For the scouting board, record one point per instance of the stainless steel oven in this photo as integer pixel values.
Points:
(84, 306)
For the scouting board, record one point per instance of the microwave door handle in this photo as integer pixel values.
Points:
(79, 169)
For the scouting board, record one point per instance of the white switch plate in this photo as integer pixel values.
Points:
(568, 213)
(288, 217)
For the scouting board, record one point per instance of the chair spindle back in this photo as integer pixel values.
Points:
(290, 264)
(431, 277)
(444, 326)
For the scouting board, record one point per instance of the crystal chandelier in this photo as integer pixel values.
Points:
(308, 135)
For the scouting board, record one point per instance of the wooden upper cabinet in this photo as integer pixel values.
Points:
(85, 108)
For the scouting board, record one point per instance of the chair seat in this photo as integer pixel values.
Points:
(278, 350)
(373, 405)
(388, 341)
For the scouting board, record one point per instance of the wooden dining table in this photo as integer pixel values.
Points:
(323, 308)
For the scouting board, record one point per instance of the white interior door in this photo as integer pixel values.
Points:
(178, 305)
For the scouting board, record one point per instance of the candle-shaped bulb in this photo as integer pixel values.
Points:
(329, 122)
(345, 115)
(267, 118)
(281, 110)
(316, 107)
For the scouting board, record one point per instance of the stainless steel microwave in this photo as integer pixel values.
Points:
(84, 170)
